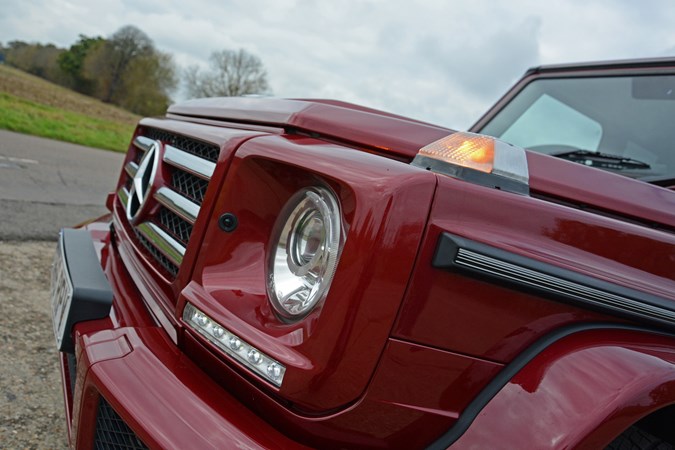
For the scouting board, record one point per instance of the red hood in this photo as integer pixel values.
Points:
(346, 122)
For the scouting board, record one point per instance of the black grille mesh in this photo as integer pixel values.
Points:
(127, 184)
(165, 262)
(138, 155)
(189, 185)
(72, 372)
(175, 225)
(111, 431)
(204, 150)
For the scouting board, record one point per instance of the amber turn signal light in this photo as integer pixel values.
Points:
(477, 159)
(463, 149)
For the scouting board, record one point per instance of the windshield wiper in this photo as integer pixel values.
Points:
(602, 160)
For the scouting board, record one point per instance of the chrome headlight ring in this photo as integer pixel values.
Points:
(304, 253)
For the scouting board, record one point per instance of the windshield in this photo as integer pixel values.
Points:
(622, 124)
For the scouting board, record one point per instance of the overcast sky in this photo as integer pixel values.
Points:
(440, 61)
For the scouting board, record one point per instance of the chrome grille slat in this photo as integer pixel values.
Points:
(178, 204)
(131, 168)
(161, 240)
(123, 195)
(162, 260)
(189, 162)
(143, 143)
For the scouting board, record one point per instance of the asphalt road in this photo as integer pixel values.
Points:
(46, 185)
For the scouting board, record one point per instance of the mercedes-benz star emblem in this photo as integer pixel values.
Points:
(142, 182)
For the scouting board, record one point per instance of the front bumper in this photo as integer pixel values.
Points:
(128, 386)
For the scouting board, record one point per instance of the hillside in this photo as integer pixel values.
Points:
(31, 105)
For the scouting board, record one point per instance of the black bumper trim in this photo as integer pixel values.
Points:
(92, 295)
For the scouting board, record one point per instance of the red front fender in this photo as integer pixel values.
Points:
(581, 391)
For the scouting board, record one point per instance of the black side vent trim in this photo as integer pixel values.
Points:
(527, 274)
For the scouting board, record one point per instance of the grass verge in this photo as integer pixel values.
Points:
(31, 105)
(24, 116)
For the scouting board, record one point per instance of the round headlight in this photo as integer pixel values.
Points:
(304, 252)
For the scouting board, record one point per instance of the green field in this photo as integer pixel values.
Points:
(34, 106)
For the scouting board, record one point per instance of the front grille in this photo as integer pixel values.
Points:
(189, 185)
(112, 433)
(179, 228)
(154, 252)
(72, 372)
(204, 150)
(189, 164)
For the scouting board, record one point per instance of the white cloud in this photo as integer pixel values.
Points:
(440, 61)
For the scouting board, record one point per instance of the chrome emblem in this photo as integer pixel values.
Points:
(143, 181)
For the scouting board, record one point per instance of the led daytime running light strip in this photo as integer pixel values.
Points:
(268, 368)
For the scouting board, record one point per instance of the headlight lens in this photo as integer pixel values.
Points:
(305, 251)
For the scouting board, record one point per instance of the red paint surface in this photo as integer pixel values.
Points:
(392, 135)
(581, 392)
(331, 354)
(467, 315)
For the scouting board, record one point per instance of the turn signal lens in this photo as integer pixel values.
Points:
(477, 159)
(464, 149)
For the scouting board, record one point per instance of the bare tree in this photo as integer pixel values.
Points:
(231, 73)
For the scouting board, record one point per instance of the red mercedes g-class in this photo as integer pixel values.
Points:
(292, 274)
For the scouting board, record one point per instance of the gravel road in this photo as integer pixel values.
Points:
(31, 403)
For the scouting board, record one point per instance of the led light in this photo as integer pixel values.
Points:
(255, 360)
(218, 331)
(476, 158)
(235, 343)
(305, 251)
(254, 356)
(274, 371)
(202, 320)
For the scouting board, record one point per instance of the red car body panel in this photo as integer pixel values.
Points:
(229, 282)
(493, 322)
(401, 351)
(602, 192)
(610, 380)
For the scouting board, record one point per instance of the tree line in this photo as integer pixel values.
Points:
(127, 70)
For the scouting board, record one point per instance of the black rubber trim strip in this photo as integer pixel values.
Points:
(546, 280)
(469, 414)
